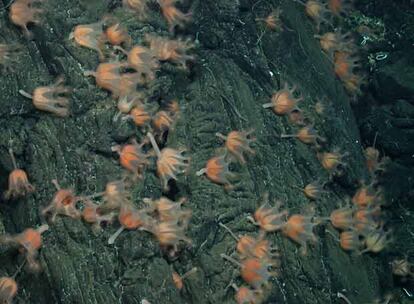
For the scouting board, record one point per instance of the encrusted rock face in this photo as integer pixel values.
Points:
(238, 65)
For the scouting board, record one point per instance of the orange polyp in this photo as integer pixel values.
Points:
(51, 98)
(63, 203)
(339, 7)
(272, 21)
(8, 290)
(255, 272)
(342, 218)
(117, 35)
(238, 143)
(283, 102)
(170, 233)
(170, 162)
(245, 245)
(169, 211)
(108, 76)
(269, 218)
(22, 13)
(30, 241)
(130, 218)
(140, 116)
(367, 219)
(349, 240)
(299, 228)
(179, 280)
(244, 295)
(132, 158)
(162, 122)
(316, 10)
(143, 60)
(313, 190)
(217, 170)
(307, 135)
(18, 182)
(365, 196)
(171, 50)
(331, 160)
(91, 215)
(345, 65)
(173, 15)
(335, 41)
(90, 36)
(138, 6)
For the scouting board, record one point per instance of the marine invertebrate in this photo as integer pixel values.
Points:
(335, 41)
(140, 115)
(350, 241)
(272, 21)
(8, 290)
(365, 196)
(23, 12)
(373, 161)
(29, 242)
(250, 247)
(171, 50)
(144, 61)
(283, 101)
(377, 240)
(169, 234)
(402, 268)
(344, 65)
(116, 34)
(90, 36)
(179, 280)
(313, 190)
(332, 161)
(238, 143)
(170, 162)
(316, 10)
(162, 122)
(109, 77)
(19, 184)
(342, 218)
(217, 170)
(299, 228)
(269, 218)
(63, 203)
(254, 271)
(51, 98)
(172, 14)
(168, 210)
(140, 7)
(132, 157)
(91, 214)
(245, 295)
(307, 135)
(114, 196)
(131, 219)
(339, 7)
(367, 219)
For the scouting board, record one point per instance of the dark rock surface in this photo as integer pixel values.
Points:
(234, 74)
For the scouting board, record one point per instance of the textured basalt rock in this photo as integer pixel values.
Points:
(234, 74)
